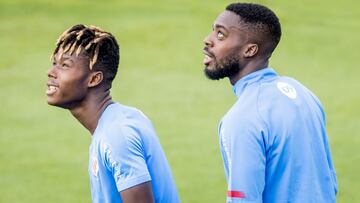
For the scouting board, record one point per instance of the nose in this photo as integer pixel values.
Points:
(208, 42)
(51, 72)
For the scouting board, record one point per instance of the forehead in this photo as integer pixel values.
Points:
(65, 56)
(228, 19)
(75, 61)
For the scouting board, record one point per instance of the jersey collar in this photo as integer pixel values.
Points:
(241, 84)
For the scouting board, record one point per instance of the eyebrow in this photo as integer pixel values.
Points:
(219, 26)
(63, 58)
(66, 57)
(226, 28)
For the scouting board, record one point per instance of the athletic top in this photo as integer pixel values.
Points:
(126, 152)
(274, 143)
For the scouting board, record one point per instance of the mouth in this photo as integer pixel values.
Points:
(208, 57)
(51, 89)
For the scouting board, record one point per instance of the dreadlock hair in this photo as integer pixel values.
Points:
(98, 45)
(260, 20)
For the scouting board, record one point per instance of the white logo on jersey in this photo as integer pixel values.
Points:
(287, 89)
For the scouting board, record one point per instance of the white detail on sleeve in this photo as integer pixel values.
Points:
(95, 166)
(225, 147)
(287, 89)
(114, 165)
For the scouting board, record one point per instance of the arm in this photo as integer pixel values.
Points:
(244, 157)
(138, 194)
(124, 157)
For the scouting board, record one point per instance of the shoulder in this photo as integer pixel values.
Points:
(277, 96)
(284, 98)
(125, 113)
(267, 100)
(121, 116)
(122, 124)
(282, 90)
(246, 108)
(243, 117)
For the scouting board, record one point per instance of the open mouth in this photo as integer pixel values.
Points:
(51, 89)
(207, 60)
(208, 57)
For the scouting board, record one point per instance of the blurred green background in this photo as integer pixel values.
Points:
(44, 150)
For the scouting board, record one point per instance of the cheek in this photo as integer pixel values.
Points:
(222, 51)
(74, 88)
(229, 52)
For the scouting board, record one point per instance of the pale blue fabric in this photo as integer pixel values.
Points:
(274, 143)
(125, 152)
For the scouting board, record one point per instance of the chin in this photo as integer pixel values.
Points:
(55, 103)
(50, 102)
(211, 74)
(209, 69)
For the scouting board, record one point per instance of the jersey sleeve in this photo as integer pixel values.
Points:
(245, 160)
(123, 154)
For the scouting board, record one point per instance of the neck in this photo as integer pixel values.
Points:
(89, 111)
(249, 67)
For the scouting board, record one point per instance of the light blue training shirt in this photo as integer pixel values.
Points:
(126, 152)
(274, 143)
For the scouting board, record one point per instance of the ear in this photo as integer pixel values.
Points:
(251, 50)
(95, 78)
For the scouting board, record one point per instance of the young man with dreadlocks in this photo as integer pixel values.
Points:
(127, 163)
(273, 139)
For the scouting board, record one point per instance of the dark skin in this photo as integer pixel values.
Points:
(72, 85)
(229, 36)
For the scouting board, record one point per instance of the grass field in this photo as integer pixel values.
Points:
(44, 150)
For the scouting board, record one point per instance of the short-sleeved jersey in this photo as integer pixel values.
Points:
(274, 143)
(126, 152)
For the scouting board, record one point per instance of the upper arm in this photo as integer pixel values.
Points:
(138, 194)
(246, 156)
(124, 157)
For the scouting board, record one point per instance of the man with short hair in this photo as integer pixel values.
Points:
(273, 139)
(127, 163)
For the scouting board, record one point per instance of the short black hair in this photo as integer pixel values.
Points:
(100, 46)
(260, 18)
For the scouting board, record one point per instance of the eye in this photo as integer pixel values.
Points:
(64, 66)
(220, 35)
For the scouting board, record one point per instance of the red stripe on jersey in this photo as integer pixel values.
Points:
(235, 194)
